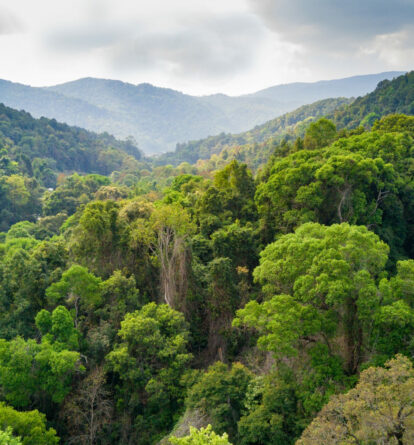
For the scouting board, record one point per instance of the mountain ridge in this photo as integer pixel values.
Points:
(158, 118)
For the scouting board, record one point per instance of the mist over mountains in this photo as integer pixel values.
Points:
(159, 118)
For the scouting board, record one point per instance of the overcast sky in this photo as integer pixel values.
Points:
(203, 46)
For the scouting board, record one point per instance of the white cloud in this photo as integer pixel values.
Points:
(395, 49)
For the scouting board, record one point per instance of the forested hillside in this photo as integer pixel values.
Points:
(395, 96)
(255, 146)
(190, 306)
(39, 153)
(281, 126)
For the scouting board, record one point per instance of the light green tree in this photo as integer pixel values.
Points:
(203, 436)
(77, 287)
(7, 438)
(30, 426)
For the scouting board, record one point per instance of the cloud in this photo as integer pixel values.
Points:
(396, 49)
(199, 46)
(333, 24)
(84, 38)
(207, 48)
(9, 22)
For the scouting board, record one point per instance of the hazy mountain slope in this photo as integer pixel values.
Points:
(202, 149)
(41, 102)
(310, 92)
(158, 118)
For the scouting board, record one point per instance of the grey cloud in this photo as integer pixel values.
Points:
(212, 48)
(203, 47)
(329, 23)
(84, 38)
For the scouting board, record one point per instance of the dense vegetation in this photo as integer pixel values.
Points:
(194, 308)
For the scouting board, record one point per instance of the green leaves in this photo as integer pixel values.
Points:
(204, 436)
(29, 425)
(332, 275)
(220, 394)
(76, 283)
(149, 363)
(29, 370)
(281, 321)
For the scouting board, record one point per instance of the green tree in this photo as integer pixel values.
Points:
(219, 394)
(149, 363)
(203, 436)
(30, 426)
(77, 287)
(7, 438)
(58, 328)
(323, 283)
(270, 412)
(35, 373)
(319, 134)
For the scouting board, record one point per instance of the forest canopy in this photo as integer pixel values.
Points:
(148, 304)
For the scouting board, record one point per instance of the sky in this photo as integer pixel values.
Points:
(203, 46)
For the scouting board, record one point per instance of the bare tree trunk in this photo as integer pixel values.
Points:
(173, 268)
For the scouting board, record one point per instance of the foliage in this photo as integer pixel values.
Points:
(149, 363)
(30, 426)
(6, 438)
(390, 96)
(43, 147)
(332, 279)
(220, 394)
(377, 410)
(204, 436)
(282, 288)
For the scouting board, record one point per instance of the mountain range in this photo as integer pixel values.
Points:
(255, 146)
(159, 118)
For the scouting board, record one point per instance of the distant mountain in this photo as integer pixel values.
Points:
(307, 93)
(256, 145)
(158, 118)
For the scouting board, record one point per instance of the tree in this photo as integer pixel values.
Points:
(319, 134)
(29, 425)
(270, 412)
(222, 300)
(35, 373)
(172, 225)
(99, 239)
(380, 409)
(219, 394)
(204, 436)
(324, 284)
(149, 363)
(78, 287)
(88, 409)
(58, 328)
(7, 438)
